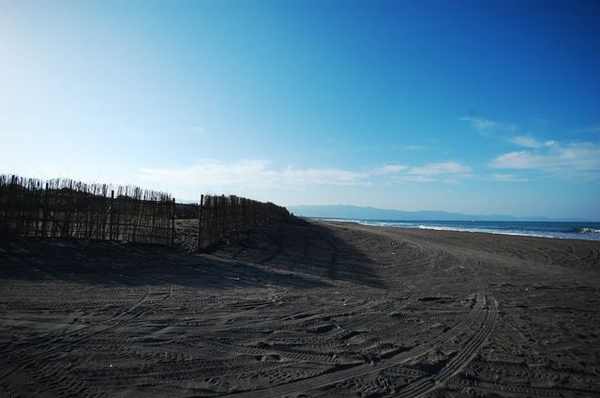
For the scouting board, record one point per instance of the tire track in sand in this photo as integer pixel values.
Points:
(86, 333)
(460, 360)
(482, 316)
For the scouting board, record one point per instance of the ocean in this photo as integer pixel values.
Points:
(547, 229)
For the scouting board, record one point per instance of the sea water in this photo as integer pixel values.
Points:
(547, 229)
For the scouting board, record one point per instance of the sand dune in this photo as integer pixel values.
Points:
(303, 309)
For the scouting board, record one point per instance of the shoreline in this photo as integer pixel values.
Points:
(587, 231)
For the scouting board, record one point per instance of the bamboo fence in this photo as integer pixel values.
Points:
(63, 208)
(225, 217)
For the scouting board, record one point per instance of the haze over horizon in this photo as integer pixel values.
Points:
(471, 107)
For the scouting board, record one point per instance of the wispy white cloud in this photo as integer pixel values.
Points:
(390, 169)
(479, 123)
(588, 130)
(196, 129)
(413, 148)
(551, 157)
(486, 127)
(530, 142)
(564, 160)
(409, 147)
(505, 177)
(443, 168)
(327, 176)
(442, 172)
(445, 172)
(250, 173)
(261, 174)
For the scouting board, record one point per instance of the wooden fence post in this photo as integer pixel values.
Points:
(44, 212)
(223, 217)
(200, 222)
(215, 225)
(110, 220)
(117, 219)
(173, 223)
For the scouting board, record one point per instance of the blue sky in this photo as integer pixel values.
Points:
(480, 107)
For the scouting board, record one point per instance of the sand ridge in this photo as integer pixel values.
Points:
(314, 309)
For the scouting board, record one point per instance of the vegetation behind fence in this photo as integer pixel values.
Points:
(62, 208)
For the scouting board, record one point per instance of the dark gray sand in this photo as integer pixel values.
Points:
(303, 310)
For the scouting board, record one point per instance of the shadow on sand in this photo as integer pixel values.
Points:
(112, 264)
(310, 248)
(293, 254)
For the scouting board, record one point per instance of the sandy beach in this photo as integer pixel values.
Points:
(303, 309)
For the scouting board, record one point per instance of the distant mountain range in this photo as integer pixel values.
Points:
(372, 213)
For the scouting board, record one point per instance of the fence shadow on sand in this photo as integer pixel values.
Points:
(297, 245)
(111, 264)
(289, 253)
